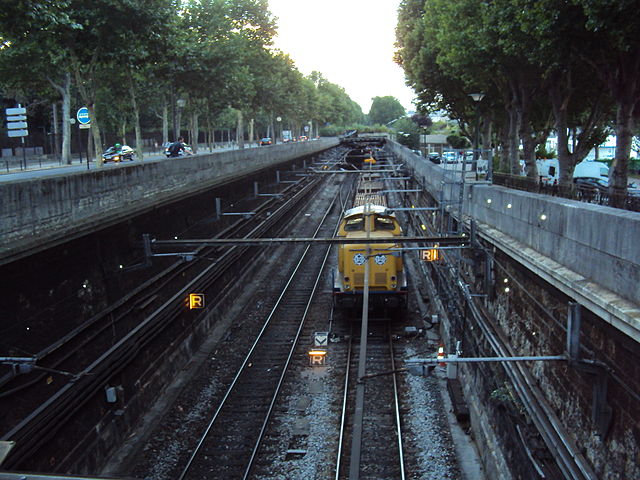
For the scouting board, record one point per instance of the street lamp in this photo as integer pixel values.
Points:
(279, 132)
(477, 97)
(181, 102)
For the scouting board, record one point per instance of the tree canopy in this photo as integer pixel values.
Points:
(385, 109)
(543, 66)
(150, 64)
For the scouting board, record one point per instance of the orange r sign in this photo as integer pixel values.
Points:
(196, 300)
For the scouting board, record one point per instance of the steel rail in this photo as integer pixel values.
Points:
(137, 296)
(61, 405)
(396, 402)
(245, 362)
(293, 346)
(343, 415)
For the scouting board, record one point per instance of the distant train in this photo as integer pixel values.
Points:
(370, 218)
(361, 148)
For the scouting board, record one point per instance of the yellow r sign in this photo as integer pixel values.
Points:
(196, 300)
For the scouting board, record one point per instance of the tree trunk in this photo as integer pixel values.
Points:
(485, 136)
(619, 173)
(165, 121)
(136, 119)
(90, 142)
(240, 130)
(514, 142)
(194, 132)
(174, 115)
(566, 161)
(84, 82)
(65, 93)
(55, 121)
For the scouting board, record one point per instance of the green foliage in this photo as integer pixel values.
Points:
(215, 54)
(385, 109)
(337, 130)
(547, 64)
(458, 142)
(542, 152)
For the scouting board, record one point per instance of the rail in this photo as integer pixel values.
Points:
(274, 328)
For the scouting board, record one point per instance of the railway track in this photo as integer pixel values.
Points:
(230, 445)
(104, 345)
(378, 453)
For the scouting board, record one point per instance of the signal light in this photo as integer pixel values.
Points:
(195, 300)
(441, 354)
(317, 357)
(431, 255)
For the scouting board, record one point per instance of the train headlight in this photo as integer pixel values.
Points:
(359, 259)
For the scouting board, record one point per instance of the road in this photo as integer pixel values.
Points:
(49, 168)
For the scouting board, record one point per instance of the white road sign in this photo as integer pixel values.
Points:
(18, 133)
(16, 125)
(16, 111)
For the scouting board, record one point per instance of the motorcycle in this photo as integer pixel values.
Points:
(187, 150)
(117, 155)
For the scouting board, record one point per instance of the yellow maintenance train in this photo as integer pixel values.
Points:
(370, 218)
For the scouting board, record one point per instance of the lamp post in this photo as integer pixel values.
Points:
(477, 97)
(181, 102)
(279, 132)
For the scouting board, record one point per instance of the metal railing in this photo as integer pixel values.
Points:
(573, 192)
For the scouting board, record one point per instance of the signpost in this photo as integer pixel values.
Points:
(84, 121)
(83, 116)
(17, 127)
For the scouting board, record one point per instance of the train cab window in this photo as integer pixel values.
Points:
(384, 223)
(354, 224)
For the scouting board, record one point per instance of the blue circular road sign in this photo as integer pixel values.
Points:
(83, 115)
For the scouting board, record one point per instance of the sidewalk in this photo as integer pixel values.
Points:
(15, 164)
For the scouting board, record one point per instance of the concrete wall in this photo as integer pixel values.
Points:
(590, 252)
(42, 211)
(580, 253)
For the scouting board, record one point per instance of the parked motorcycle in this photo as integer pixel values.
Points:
(118, 154)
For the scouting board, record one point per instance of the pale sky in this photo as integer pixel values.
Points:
(349, 41)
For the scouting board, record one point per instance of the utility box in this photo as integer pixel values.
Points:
(452, 368)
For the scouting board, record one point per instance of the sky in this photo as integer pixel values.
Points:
(349, 41)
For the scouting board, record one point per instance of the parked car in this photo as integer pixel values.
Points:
(434, 157)
(450, 157)
(265, 141)
(591, 185)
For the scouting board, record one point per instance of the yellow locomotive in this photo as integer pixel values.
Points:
(370, 218)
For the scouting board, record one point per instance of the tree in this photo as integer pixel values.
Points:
(615, 58)
(385, 109)
(408, 132)
(523, 55)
